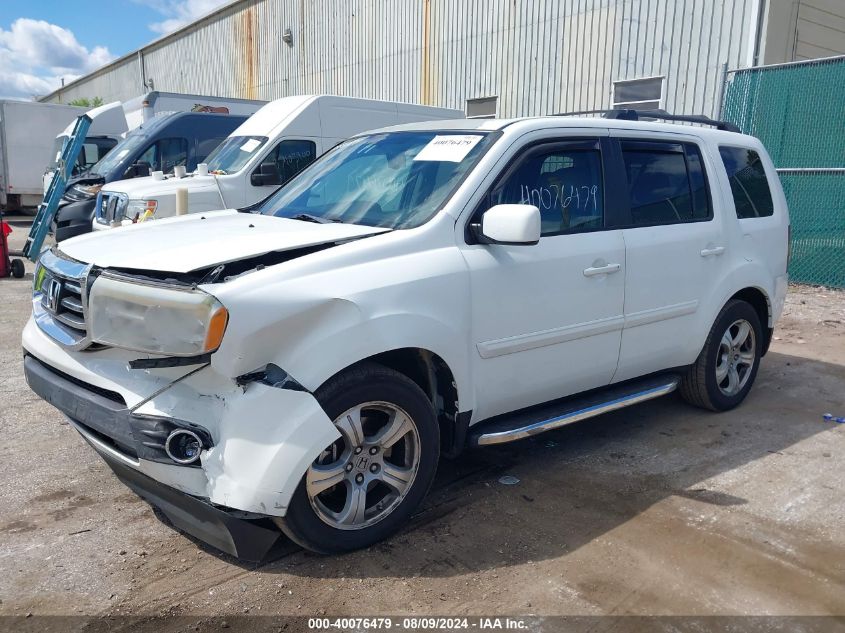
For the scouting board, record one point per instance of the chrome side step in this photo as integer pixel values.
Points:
(530, 422)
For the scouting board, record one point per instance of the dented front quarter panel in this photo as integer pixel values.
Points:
(319, 314)
(268, 439)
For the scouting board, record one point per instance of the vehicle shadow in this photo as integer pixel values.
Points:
(582, 481)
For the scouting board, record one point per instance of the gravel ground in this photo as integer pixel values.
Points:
(660, 509)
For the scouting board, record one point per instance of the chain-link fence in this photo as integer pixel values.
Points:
(798, 111)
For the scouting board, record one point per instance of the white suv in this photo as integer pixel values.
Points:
(304, 364)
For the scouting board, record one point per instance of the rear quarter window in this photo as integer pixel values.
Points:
(749, 185)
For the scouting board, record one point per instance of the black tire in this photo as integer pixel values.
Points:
(17, 268)
(700, 386)
(368, 382)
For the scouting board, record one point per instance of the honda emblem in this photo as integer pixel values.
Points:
(53, 292)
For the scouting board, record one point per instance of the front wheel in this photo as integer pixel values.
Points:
(365, 485)
(725, 370)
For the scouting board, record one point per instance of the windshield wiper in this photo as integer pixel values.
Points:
(307, 217)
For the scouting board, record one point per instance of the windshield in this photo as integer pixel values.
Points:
(397, 180)
(115, 157)
(233, 153)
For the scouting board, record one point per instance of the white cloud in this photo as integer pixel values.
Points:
(35, 55)
(179, 13)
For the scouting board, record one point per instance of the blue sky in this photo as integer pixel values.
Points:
(42, 41)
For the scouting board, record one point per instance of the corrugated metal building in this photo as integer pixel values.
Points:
(508, 57)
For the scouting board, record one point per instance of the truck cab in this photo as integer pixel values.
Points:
(108, 127)
(268, 149)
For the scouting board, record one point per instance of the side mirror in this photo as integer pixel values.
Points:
(513, 224)
(137, 170)
(266, 174)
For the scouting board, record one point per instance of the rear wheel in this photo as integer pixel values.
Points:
(364, 486)
(725, 370)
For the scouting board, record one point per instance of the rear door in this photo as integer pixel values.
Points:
(547, 318)
(674, 250)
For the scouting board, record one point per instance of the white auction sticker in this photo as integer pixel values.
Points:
(250, 145)
(448, 147)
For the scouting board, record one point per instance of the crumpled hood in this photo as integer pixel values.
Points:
(192, 242)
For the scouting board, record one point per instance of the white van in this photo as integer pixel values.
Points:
(265, 151)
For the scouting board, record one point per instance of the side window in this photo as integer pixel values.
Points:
(165, 154)
(172, 152)
(149, 156)
(749, 185)
(92, 151)
(290, 157)
(566, 184)
(666, 182)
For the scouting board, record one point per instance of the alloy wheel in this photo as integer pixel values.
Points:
(363, 476)
(736, 357)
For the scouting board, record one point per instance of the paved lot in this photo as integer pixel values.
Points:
(659, 509)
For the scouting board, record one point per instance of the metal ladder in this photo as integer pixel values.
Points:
(48, 207)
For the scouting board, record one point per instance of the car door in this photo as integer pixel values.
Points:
(547, 318)
(675, 252)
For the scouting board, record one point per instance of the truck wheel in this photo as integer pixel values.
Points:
(365, 486)
(725, 370)
(17, 269)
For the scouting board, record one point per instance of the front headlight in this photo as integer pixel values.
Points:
(141, 209)
(88, 191)
(154, 318)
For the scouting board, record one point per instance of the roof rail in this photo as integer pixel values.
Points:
(624, 114)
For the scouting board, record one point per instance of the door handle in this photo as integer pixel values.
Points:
(602, 270)
(715, 250)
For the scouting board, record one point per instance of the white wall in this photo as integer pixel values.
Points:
(537, 56)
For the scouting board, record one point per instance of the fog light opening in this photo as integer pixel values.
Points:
(183, 446)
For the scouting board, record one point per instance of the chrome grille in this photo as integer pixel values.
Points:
(110, 207)
(59, 299)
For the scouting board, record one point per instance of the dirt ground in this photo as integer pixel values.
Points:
(660, 509)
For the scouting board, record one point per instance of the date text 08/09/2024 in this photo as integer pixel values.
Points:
(417, 623)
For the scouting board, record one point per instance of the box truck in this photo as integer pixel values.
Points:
(27, 135)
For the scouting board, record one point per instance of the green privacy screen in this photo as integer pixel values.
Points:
(798, 111)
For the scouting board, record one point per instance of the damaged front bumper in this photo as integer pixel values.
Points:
(261, 438)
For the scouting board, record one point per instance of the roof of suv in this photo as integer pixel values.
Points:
(529, 123)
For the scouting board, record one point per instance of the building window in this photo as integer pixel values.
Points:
(484, 108)
(638, 94)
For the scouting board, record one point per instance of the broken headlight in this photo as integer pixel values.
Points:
(154, 318)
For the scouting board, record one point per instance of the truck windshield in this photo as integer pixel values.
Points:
(233, 153)
(397, 180)
(119, 154)
(93, 150)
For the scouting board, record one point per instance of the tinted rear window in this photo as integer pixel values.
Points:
(666, 183)
(749, 185)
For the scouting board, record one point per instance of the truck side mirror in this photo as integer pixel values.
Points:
(266, 174)
(137, 170)
(513, 224)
